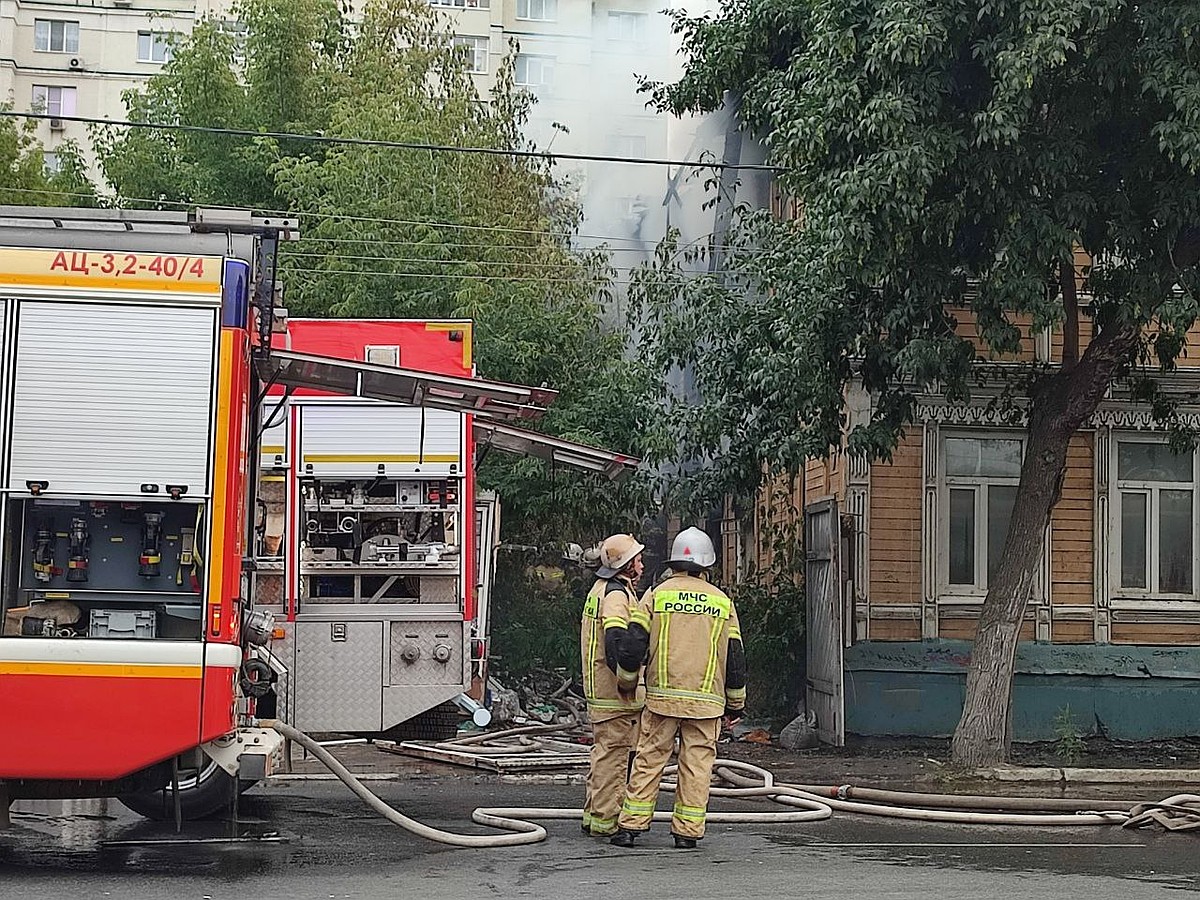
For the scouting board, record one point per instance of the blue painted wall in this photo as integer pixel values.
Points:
(1126, 693)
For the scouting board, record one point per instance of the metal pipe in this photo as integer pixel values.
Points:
(480, 715)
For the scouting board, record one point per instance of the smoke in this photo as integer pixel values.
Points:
(592, 105)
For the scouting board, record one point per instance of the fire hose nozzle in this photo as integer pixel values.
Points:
(77, 564)
(149, 563)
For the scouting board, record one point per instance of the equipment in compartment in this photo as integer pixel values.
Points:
(122, 623)
(78, 560)
(151, 558)
(43, 551)
(102, 575)
(381, 522)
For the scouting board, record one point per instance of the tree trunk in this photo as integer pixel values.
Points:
(1059, 407)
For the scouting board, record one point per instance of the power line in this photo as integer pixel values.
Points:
(449, 276)
(399, 145)
(384, 221)
(577, 266)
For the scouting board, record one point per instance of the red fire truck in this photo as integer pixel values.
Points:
(145, 370)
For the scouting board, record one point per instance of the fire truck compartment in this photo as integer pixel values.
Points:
(112, 399)
(131, 569)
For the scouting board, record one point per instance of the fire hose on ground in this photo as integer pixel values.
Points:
(806, 803)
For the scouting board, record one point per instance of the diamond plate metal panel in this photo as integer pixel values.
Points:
(439, 590)
(424, 638)
(268, 591)
(413, 687)
(338, 682)
(402, 703)
(283, 659)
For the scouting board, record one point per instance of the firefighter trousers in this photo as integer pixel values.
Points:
(697, 752)
(613, 741)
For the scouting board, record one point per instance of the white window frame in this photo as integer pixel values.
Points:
(978, 484)
(478, 49)
(45, 101)
(620, 20)
(542, 60)
(157, 39)
(69, 34)
(537, 10)
(236, 31)
(1152, 489)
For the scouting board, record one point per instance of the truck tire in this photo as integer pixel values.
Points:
(204, 792)
(437, 724)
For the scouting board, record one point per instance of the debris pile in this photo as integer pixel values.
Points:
(529, 748)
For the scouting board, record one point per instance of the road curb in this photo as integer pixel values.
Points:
(1076, 775)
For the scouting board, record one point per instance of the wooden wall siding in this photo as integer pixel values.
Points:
(780, 504)
(960, 629)
(1071, 632)
(1086, 330)
(966, 328)
(1071, 528)
(896, 629)
(1145, 633)
(895, 548)
(824, 477)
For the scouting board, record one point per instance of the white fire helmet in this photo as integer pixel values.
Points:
(616, 553)
(692, 549)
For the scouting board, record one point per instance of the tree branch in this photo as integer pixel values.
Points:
(1070, 298)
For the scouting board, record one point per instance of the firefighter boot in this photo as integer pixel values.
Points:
(623, 838)
(684, 843)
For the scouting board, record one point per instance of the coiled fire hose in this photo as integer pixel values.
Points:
(807, 803)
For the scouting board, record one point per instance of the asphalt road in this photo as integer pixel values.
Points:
(312, 839)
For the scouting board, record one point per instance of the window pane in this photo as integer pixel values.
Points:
(962, 537)
(1141, 461)
(1133, 540)
(71, 39)
(41, 34)
(998, 457)
(1000, 500)
(1175, 542)
(144, 45)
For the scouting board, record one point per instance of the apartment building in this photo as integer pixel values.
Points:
(77, 58)
(579, 57)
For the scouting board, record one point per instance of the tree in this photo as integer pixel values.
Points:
(947, 154)
(24, 180)
(395, 232)
(276, 76)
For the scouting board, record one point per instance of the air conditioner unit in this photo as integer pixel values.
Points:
(76, 63)
(123, 4)
(56, 124)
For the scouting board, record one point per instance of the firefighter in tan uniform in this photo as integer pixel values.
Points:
(687, 632)
(614, 716)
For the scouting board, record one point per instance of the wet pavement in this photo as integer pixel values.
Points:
(303, 838)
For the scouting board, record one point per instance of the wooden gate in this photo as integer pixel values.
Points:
(823, 622)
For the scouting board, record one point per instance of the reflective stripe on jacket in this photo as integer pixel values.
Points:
(606, 608)
(690, 624)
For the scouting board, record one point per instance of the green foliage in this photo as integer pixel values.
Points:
(23, 177)
(390, 232)
(770, 603)
(948, 154)
(1069, 744)
(290, 72)
(535, 625)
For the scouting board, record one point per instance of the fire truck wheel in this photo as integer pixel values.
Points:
(437, 724)
(203, 792)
